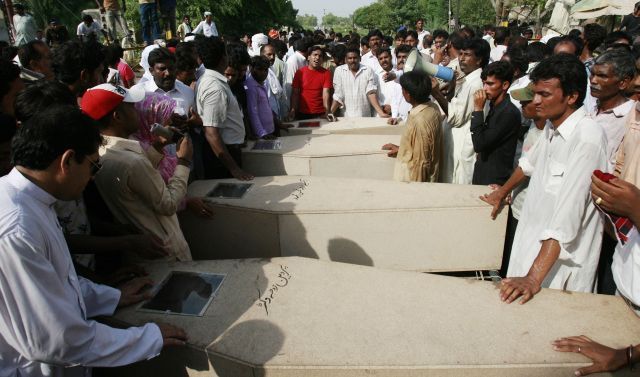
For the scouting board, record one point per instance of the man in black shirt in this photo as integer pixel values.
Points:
(631, 22)
(494, 136)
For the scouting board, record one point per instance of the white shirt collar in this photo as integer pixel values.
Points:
(569, 125)
(24, 185)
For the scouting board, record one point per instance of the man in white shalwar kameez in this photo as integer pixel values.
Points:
(45, 308)
(557, 243)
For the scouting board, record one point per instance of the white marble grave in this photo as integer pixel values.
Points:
(349, 156)
(297, 317)
(388, 224)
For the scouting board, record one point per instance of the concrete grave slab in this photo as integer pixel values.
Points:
(349, 156)
(387, 224)
(352, 126)
(299, 317)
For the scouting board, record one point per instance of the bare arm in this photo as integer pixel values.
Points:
(295, 102)
(373, 100)
(326, 100)
(496, 197)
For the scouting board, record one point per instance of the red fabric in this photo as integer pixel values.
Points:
(126, 74)
(97, 103)
(311, 83)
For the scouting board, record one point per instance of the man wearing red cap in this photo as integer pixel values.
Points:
(129, 182)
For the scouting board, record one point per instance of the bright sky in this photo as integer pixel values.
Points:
(341, 8)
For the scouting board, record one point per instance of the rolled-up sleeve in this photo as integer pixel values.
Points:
(338, 89)
(372, 86)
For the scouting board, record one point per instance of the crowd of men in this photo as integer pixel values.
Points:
(96, 161)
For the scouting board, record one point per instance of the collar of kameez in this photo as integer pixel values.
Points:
(215, 74)
(418, 109)
(569, 125)
(24, 185)
(621, 110)
(118, 143)
(151, 86)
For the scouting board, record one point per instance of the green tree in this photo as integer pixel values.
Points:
(338, 24)
(67, 11)
(307, 21)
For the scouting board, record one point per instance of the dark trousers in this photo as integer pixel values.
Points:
(512, 225)
(213, 167)
(606, 285)
(303, 116)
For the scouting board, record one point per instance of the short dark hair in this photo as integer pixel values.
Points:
(622, 62)
(9, 72)
(457, 40)
(536, 51)
(384, 50)
(161, 55)
(412, 33)
(401, 34)
(29, 52)
(311, 49)
(260, 62)
(303, 44)
(501, 70)
(594, 35)
(502, 33)
(616, 35)
(186, 56)
(41, 95)
(49, 133)
(375, 33)
(439, 33)
(211, 51)
(518, 59)
(353, 51)
(480, 49)
(364, 41)
(568, 69)
(113, 53)
(403, 49)
(577, 43)
(468, 31)
(417, 84)
(87, 18)
(72, 57)
(238, 55)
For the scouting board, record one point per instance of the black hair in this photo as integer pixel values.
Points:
(536, 51)
(501, 70)
(87, 18)
(49, 133)
(29, 52)
(9, 72)
(388, 40)
(384, 50)
(173, 42)
(238, 55)
(375, 33)
(403, 49)
(594, 35)
(502, 33)
(72, 57)
(413, 34)
(401, 34)
(480, 49)
(316, 48)
(457, 40)
(352, 50)
(552, 42)
(518, 41)
(8, 51)
(577, 43)
(211, 51)
(364, 41)
(303, 44)
(339, 52)
(420, 19)
(617, 35)
(518, 59)
(259, 62)
(417, 84)
(469, 32)
(113, 53)
(622, 62)
(574, 33)
(186, 56)
(489, 27)
(568, 69)
(41, 95)
(439, 33)
(161, 55)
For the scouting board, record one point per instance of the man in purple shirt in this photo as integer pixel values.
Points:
(260, 114)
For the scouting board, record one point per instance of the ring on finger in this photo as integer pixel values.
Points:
(579, 349)
(598, 200)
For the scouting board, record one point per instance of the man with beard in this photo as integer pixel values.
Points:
(389, 91)
(370, 59)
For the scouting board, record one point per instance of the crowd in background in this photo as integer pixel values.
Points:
(96, 159)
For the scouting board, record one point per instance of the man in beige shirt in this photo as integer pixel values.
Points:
(128, 180)
(420, 151)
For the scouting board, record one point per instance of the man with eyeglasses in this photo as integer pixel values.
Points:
(129, 181)
(45, 307)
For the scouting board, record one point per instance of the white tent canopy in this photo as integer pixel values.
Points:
(586, 9)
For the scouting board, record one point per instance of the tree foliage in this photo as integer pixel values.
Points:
(338, 24)
(307, 21)
(67, 11)
(231, 16)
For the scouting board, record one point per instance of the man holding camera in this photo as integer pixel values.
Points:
(128, 180)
